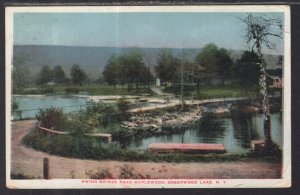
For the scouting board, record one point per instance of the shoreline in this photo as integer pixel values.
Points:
(28, 162)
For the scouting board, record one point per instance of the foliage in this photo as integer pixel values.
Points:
(77, 125)
(207, 58)
(14, 105)
(246, 70)
(96, 116)
(47, 90)
(224, 64)
(78, 76)
(70, 90)
(167, 66)
(99, 114)
(123, 106)
(59, 75)
(215, 62)
(127, 172)
(20, 74)
(89, 148)
(128, 68)
(51, 118)
(45, 75)
(100, 174)
(112, 71)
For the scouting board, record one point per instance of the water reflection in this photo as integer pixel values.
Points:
(210, 127)
(244, 128)
(235, 132)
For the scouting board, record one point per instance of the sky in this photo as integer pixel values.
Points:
(154, 30)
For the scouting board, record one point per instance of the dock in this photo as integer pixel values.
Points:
(186, 148)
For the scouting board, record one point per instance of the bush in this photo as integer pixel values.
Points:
(71, 90)
(47, 90)
(99, 114)
(123, 106)
(100, 174)
(51, 118)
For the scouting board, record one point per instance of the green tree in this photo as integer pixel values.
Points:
(213, 62)
(167, 66)
(20, 74)
(112, 71)
(224, 64)
(59, 75)
(123, 106)
(78, 76)
(133, 67)
(246, 70)
(45, 75)
(207, 58)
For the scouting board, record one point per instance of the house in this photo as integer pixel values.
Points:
(274, 81)
(275, 78)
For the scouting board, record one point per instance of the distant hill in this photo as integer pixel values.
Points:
(94, 59)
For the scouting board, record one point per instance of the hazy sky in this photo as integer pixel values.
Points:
(189, 30)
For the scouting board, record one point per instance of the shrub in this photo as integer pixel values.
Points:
(70, 90)
(51, 118)
(100, 174)
(123, 106)
(47, 90)
(100, 114)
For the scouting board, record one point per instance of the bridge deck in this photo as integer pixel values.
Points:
(186, 148)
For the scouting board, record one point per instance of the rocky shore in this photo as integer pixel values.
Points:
(156, 122)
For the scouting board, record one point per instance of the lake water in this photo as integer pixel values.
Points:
(30, 105)
(236, 134)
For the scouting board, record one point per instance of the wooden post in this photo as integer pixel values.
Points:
(109, 140)
(46, 169)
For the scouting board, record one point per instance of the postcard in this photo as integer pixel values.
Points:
(148, 97)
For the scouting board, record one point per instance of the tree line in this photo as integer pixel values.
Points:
(127, 69)
(131, 69)
(210, 64)
(58, 76)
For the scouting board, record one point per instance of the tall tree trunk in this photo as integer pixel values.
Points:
(265, 102)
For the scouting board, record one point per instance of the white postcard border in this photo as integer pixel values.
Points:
(216, 183)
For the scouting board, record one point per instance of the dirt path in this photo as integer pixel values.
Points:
(29, 162)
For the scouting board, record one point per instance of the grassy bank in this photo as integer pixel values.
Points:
(89, 148)
(206, 92)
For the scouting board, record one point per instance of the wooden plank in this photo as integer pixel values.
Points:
(53, 131)
(98, 134)
(186, 148)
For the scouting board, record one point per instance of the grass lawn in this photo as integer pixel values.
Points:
(101, 89)
(206, 92)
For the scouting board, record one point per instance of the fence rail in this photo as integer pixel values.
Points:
(31, 113)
